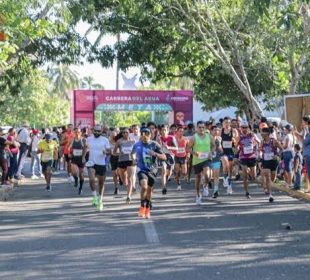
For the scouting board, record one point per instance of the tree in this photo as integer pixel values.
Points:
(63, 80)
(88, 82)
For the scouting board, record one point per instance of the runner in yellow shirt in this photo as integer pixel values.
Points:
(49, 150)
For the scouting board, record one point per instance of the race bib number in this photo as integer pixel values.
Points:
(46, 157)
(268, 156)
(77, 152)
(126, 150)
(248, 149)
(203, 155)
(227, 144)
(181, 150)
(166, 151)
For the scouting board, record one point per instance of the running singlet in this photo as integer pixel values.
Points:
(227, 142)
(146, 162)
(203, 147)
(168, 141)
(269, 150)
(247, 147)
(181, 151)
(125, 150)
(77, 150)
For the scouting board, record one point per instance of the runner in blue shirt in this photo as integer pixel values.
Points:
(147, 152)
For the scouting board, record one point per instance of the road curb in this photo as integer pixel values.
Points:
(293, 193)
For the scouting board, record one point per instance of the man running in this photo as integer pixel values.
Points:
(147, 153)
(49, 150)
(202, 146)
(98, 147)
(66, 140)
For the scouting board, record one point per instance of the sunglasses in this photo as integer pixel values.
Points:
(97, 131)
(244, 127)
(146, 133)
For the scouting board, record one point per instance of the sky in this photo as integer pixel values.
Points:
(104, 76)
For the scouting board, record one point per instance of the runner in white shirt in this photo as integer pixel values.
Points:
(98, 147)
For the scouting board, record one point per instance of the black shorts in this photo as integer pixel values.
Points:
(67, 158)
(150, 177)
(250, 162)
(230, 157)
(124, 164)
(180, 160)
(270, 164)
(78, 162)
(46, 164)
(198, 168)
(99, 169)
(114, 162)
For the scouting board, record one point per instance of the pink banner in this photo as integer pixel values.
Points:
(86, 102)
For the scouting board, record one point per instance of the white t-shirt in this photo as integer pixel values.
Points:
(35, 143)
(290, 146)
(134, 137)
(96, 147)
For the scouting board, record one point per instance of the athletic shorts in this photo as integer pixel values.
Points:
(124, 164)
(198, 168)
(180, 160)
(78, 162)
(114, 162)
(100, 170)
(150, 177)
(46, 164)
(230, 157)
(67, 158)
(216, 165)
(270, 164)
(249, 162)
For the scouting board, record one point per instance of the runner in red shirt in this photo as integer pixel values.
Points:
(66, 141)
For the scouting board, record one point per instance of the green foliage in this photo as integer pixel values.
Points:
(121, 119)
(34, 103)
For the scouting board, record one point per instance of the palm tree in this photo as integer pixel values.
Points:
(88, 82)
(63, 80)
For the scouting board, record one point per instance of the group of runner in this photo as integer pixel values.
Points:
(142, 152)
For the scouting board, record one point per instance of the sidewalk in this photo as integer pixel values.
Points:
(296, 194)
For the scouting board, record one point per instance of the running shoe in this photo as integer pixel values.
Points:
(48, 188)
(198, 200)
(34, 177)
(271, 199)
(215, 194)
(229, 190)
(247, 195)
(128, 200)
(76, 182)
(164, 191)
(237, 177)
(179, 188)
(100, 206)
(142, 212)
(205, 191)
(42, 176)
(80, 191)
(95, 201)
(147, 213)
(116, 191)
(225, 182)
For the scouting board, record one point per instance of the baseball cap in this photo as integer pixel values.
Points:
(244, 124)
(48, 136)
(35, 131)
(145, 129)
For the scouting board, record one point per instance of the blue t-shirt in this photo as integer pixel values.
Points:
(146, 162)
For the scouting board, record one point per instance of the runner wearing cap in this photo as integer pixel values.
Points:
(48, 149)
(147, 153)
(98, 147)
(269, 154)
(202, 146)
(247, 153)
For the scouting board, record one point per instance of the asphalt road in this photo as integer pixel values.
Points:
(59, 235)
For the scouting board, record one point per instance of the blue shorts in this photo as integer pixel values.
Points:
(216, 165)
(288, 161)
